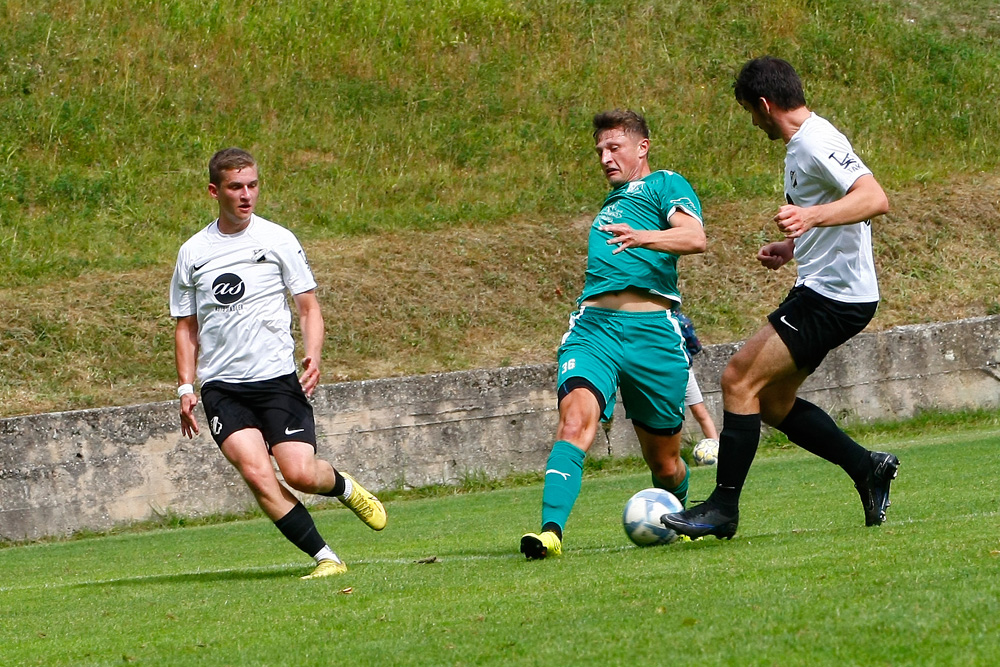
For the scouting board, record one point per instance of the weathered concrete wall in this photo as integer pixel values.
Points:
(92, 469)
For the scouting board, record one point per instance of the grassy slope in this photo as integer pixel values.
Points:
(437, 165)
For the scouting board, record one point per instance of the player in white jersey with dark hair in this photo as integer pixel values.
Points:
(831, 198)
(233, 334)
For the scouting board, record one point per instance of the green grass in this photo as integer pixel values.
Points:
(803, 583)
(389, 134)
(371, 116)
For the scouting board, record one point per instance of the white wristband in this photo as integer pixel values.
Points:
(185, 389)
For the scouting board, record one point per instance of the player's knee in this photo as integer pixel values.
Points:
(571, 430)
(258, 478)
(300, 478)
(667, 469)
(578, 421)
(575, 429)
(733, 380)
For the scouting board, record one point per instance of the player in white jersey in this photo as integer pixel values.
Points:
(831, 198)
(233, 334)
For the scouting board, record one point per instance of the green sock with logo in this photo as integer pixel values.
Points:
(563, 478)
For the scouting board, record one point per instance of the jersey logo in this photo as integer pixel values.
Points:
(608, 216)
(228, 288)
(793, 177)
(635, 186)
(199, 267)
(844, 162)
(260, 254)
(687, 204)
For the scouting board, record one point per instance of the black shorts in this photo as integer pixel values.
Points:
(278, 408)
(810, 324)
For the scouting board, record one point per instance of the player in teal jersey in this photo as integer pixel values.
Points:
(625, 335)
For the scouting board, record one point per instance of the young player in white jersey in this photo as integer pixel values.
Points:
(233, 334)
(831, 198)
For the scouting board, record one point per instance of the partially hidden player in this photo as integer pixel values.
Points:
(831, 199)
(693, 398)
(624, 335)
(228, 295)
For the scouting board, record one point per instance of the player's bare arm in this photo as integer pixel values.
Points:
(186, 357)
(863, 201)
(775, 255)
(685, 237)
(313, 332)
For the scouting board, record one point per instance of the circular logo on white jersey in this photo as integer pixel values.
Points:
(228, 288)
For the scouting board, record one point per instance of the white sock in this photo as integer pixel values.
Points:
(348, 487)
(326, 553)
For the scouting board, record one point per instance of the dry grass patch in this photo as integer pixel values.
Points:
(479, 296)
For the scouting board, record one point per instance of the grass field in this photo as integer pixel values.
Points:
(803, 583)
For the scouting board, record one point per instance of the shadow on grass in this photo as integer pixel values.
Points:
(250, 574)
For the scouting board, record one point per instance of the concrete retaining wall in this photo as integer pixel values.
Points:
(91, 469)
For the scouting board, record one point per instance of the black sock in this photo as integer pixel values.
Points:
(298, 528)
(737, 447)
(554, 527)
(338, 486)
(809, 427)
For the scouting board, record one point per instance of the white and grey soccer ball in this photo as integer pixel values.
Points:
(706, 452)
(641, 518)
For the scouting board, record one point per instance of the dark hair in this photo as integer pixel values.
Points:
(623, 119)
(226, 159)
(771, 78)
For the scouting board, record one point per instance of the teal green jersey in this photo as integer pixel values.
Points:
(646, 203)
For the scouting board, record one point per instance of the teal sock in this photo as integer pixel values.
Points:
(563, 478)
(680, 491)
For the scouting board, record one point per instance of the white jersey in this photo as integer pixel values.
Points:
(820, 167)
(236, 284)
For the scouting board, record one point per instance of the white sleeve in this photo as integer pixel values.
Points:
(833, 160)
(182, 291)
(295, 270)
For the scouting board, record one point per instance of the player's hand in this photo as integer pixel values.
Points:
(310, 375)
(775, 255)
(624, 236)
(189, 425)
(793, 221)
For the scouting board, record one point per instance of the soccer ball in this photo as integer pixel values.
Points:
(641, 518)
(706, 452)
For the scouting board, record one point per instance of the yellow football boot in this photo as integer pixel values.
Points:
(326, 568)
(536, 547)
(365, 505)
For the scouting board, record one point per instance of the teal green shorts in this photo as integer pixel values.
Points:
(642, 354)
